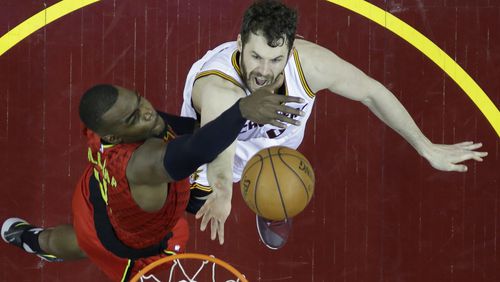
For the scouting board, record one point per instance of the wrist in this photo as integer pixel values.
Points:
(242, 107)
(424, 148)
(224, 194)
(222, 186)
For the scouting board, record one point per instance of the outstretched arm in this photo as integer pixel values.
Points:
(325, 70)
(155, 162)
(211, 95)
(181, 125)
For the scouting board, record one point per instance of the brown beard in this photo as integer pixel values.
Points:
(246, 76)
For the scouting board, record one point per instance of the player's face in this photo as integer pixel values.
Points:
(260, 63)
(132, 118)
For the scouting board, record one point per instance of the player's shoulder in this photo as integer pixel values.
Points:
(213, 90)
(215, 85)
(308, 50)
(220, 58)
(303, 45)
(318, 64)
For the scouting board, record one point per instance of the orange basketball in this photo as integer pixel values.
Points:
(277, 183)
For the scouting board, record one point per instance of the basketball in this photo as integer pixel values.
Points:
(277, 183)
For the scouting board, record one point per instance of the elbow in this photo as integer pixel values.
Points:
(368, 101)
(374, 91)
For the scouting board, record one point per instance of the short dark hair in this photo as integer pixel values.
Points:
(94, 103)
(274, 19)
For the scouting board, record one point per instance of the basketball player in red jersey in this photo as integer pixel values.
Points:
(129, 203)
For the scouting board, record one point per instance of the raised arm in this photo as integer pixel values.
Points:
(211, 96)
(324, 70)
(180, 125)
(155, 163)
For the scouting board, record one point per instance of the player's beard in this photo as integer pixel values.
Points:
(249, 79)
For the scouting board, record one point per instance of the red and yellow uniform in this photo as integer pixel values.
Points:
(115, 233)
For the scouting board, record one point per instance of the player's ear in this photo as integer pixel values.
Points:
(240, 44)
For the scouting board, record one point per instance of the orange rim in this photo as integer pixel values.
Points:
(220, 262)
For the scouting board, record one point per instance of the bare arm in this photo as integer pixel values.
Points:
(212, 95)
(155, 162)
(324, 70)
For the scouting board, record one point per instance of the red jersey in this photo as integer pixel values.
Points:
(132, 225)
(111, 228)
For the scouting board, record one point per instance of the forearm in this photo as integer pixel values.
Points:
(388, 108)
(186, 153)
(220, 172)
(180, 125)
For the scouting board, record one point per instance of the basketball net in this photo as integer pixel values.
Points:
(144, 276)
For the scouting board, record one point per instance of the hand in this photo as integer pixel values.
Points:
(446, 157)
(215, 210)
(263, 106)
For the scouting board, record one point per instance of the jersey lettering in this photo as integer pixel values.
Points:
(101, 174)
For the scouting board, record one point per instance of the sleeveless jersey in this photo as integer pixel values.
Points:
(133, 226)
(223, 62)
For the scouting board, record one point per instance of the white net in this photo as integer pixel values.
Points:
(179, 273)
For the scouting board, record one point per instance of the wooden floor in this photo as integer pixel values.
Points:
(379, 213)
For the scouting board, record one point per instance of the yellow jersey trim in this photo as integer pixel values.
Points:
(201, 187)
(303, 81)
(236, 65)
(220, 74)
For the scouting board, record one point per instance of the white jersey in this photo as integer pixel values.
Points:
(223, 62)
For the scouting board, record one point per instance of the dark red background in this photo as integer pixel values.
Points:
(380, 212)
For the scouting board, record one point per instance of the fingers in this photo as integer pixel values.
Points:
(459, 168)
(217, 229)
(289, 99)
(201, 212)
(477, 158)
(290, 110)
(466, 143)
(472, 146)
(214, 226)
(221, 233)
(204, 222)
(482, 154)
(280, 120)
(278, 124)
(285, 119)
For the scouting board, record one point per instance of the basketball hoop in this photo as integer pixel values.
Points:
(144, 274)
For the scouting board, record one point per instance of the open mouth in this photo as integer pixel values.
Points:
(260, 81)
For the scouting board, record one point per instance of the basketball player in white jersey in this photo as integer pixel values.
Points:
(266, 51)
